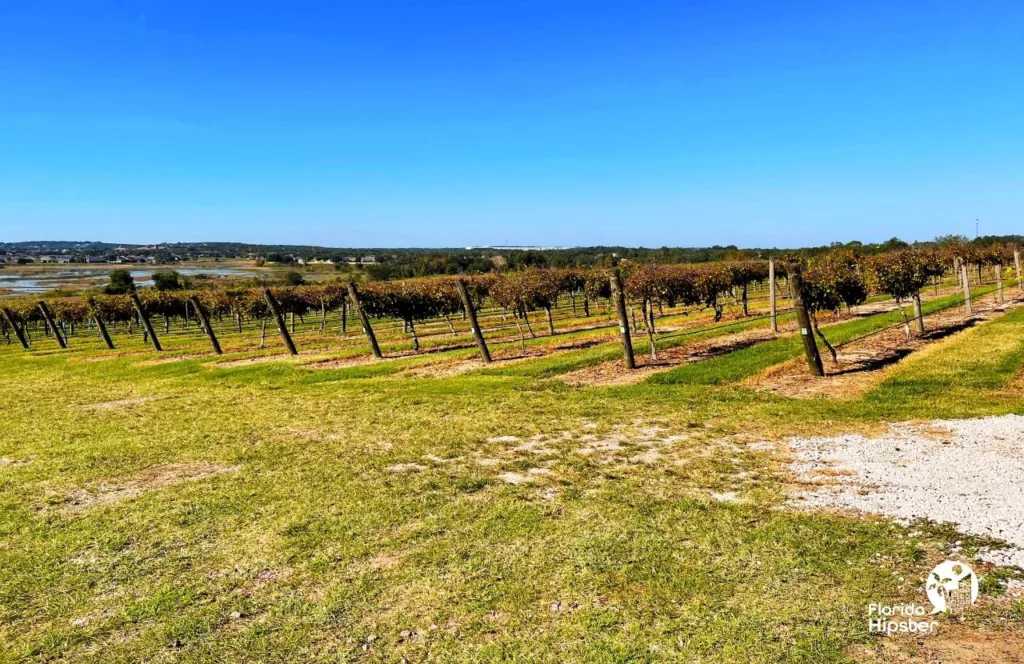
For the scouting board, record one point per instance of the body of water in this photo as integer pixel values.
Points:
(21, 283)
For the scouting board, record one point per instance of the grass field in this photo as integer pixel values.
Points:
(192, 512)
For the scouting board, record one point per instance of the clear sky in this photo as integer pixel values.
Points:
(444, 123)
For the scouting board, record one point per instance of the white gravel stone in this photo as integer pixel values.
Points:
(972, 477)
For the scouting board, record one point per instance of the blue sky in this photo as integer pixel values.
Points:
(479, 122)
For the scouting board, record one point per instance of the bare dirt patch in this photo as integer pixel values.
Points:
(502, 357)
(450, 368)
(110, 356)
(406, 468)
(341, 363)
(515, 478)
(152, 479)
(871, 308)
(170, 360)
(363, 360)
(384, 561)
(626, 446)
(246, 361)
(863, 364)
(953, 643)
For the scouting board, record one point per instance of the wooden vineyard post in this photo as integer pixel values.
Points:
(478, 334)
(281, 327)
(918, 314)
(103, 332)
(619, 297)
(364, 320)
(51, 324)
(967, 289)
(773, 312)
(803, 320)
(18, 332)
(551, 322)
(204, 321)
(1016, 266)
(145, 319)
(999, 282)
(648, 313)
(48, 317)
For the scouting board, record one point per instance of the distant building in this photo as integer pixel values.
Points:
(511, 247)
(54, 259)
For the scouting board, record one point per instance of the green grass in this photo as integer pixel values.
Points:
(748, 361)
(293, 541)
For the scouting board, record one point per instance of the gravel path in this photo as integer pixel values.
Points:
(967, 472)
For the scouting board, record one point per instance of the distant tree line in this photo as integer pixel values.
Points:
(409, 263)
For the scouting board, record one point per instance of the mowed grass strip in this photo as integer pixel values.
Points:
(748, 361)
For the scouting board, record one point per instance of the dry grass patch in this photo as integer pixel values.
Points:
(349, 362)
(110, 356)
(173, 359)
(246, 361)
(120, 403)
(406, 468)
(452, 368)
(116, 490)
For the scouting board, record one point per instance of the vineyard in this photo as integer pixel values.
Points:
(650, 304)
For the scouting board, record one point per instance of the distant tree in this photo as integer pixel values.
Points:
(293, 279)
(167, 281)
(947, 240)
(894, 243)
(121, 282)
